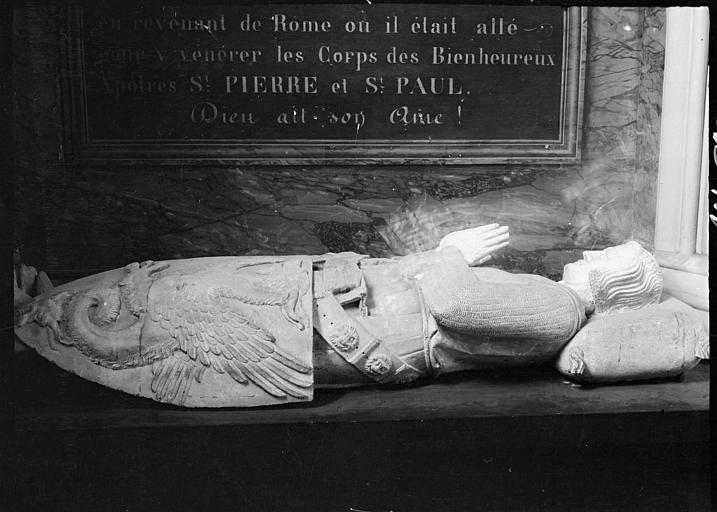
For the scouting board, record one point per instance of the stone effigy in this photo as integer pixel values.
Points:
(247, 331)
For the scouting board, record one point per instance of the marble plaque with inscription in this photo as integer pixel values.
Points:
(390, 83)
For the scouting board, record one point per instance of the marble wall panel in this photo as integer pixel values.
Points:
(613, 78)
(89, 218)
(649, 107)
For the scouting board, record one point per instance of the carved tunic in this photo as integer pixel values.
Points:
(441, 316)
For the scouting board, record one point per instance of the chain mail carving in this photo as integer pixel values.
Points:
(513, 307)
(634, 287)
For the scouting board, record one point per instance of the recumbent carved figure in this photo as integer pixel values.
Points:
(247, 331)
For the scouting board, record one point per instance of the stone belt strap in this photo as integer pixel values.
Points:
(355, 344)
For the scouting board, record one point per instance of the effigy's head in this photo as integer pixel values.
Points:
(624, 277)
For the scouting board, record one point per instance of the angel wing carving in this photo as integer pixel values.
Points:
(203, 326)
(184, 318)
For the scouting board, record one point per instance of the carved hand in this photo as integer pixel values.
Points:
(477, 244)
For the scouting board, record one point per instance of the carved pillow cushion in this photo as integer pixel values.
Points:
(663, 340)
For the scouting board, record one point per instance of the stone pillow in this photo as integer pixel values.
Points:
(662, 340)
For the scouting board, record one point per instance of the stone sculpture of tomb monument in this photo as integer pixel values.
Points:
(247, 331)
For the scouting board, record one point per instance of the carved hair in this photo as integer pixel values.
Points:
(633, 287)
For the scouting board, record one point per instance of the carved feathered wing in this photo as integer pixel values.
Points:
(208, 330)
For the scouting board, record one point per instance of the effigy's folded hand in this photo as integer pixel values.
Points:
(477, 244)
